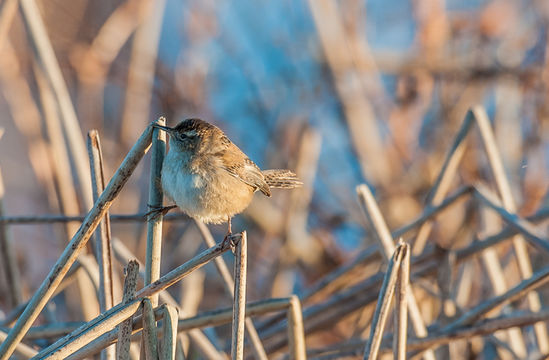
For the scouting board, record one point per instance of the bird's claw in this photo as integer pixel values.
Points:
(232, 240)
(158, 210)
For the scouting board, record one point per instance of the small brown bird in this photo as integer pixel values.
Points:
(209, 177)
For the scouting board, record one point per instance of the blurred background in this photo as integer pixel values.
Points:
(342, 92)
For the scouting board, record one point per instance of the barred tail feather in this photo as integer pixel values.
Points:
(282, 179)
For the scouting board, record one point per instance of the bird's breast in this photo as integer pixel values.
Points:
(203, 189)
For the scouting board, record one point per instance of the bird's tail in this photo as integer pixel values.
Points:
(282, 179)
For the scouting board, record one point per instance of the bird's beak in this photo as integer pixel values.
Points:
(169, 130)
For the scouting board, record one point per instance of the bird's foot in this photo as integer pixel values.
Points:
(232, 240)
(156, 211)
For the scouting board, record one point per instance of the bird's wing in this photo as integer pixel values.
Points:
(236, 163)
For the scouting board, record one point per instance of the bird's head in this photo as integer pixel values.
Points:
(190, 135)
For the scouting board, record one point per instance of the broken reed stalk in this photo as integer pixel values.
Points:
(401, 308)
(239, 303)
(149, 337)
(79, 240)
(154, 223)
(296, 334)
(125, 328)
(223, 269)
(103, 247)
(387, 246)
(384, 301)
(170, 317)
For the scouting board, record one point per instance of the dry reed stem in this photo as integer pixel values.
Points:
(259, 350)
(9, 258)
(296, 334)
(401, 307)
(239, 303)
(125, 328)
(79, 240)
(45, 219)
(44, 51)
(103, 233)
(383, 235)
(154, 223)
(149, 337)
(169, 332)
(384, 301)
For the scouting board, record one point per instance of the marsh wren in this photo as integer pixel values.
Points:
(210, 178)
